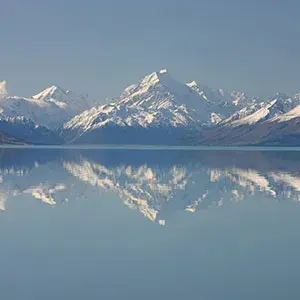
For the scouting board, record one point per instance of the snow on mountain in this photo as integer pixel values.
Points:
(274, 123)
(159, 90)
(2, 201)
(243, 113)
(258, 115)
(157, 109)
(50, 108)
(292, 114)
(227, 102)
(257, 110)
(53, 92)
(156, 101)
(25, 130)
(3, 91)
(63, 98)
(210, 95)
(241, 99)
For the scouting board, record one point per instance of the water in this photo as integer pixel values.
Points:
(149, 224)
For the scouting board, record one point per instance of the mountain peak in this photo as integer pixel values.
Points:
(3, 91)
(53, 91)
(150, 79)
(163, 71)
(154, 78)
(157, 75)
(192, 84)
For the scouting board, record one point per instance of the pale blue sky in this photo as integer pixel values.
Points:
(100, 46)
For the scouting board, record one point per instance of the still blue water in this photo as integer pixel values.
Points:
(149, 224)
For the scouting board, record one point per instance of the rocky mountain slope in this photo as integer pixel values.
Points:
(7, 139)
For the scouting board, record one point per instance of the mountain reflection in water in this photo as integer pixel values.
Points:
(153, 182)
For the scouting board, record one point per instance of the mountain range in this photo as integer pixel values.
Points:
(156, 110)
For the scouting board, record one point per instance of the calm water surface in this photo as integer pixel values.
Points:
(149, 224)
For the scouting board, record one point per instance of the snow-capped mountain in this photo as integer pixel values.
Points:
(156, 106)
(25, 130)
(257, 111)
(3, 91)
(160, 110)
(50, 108)
(37, 119)
(155, 110)
(265, 123)
(67, 99)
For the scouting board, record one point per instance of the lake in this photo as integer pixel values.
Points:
(149, 223)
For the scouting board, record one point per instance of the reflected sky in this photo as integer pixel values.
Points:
(144, 224)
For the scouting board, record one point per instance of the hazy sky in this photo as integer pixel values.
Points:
(101, 46)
